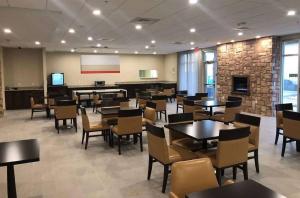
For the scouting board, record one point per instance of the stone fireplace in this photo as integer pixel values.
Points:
(259, 59)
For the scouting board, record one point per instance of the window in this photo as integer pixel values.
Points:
(210, 73)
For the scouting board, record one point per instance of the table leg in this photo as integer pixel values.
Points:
(11, 184)
(204, 144)
(65, 122)
(210, 111)
(298, 145)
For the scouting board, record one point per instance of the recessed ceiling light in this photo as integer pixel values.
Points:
(147, 46)
(240, 33)
(138, 26)
(136, 52)
(258, 36)
(154, 53)
(62, 41)
(90, 38)
(192, 30)
(72, 31)
(218, 43)
(37, 42)
(98, 45)
(7, 31)
(291, 13)
(116, 52)
(193, 1)
(95, 51)
(192, 48)
(232, 41)
(72, 50)
(153, 41)
(96, 12)
(192, 43)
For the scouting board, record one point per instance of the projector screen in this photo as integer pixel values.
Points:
(91, 64)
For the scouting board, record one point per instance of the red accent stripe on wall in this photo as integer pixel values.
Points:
(99, 72)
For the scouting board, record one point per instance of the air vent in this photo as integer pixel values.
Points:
(147, 21)
(177, 43)
(106, 39)
(241, 26)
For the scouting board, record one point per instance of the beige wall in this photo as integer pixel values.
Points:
(2, 98)
(171, 67)
(23, 67)
(69, 63)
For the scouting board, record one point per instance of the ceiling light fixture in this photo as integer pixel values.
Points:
(116, 52)
(90, 38)
(72, 31)
(218, 43)
(95, 51)
(72, 50)
(232, 41)
(192, 30)
(240, 34)
(7, 31)
(192, 48)
(136, 52)
(193, 1)
(291, 13)
(63, 42)
(192, 43)
(147, 46)
(138, 27)
(98, 45)
(37, 42)
(153, 41)
(258, 37)
(96, 12)
(154, 53)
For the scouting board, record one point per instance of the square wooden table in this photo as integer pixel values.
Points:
(245, 189)
(201, 130)
(210, 104)
(14, 153)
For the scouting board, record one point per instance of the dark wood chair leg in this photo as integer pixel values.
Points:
(87, 140)
(166, 116)
(75, 124)
(256, 161)
(141, 142)
(119, 144)
(160, 115)
(222, 172)
(234, 172)
(83, 134)
(219, 176)
(150, 167)
(283, 146)
(277, 135)
(245, 171)
(31, 114)
(177, 108)
(166, 173)
(112, 139)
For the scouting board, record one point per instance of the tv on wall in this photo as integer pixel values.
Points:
(57, 79)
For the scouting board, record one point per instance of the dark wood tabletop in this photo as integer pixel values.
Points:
(210, 103)
(245, 189)
(113, 110)
(201, 130)
(19, 152)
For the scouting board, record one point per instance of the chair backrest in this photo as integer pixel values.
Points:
(65, 112)
(161, 103)
(85, 119)
(96, 97)
(130, 121)
(50, 102)
(291, 124)
(279, 110)
(157, 144)
(180, 118)
(179, 98)
(186, 174)
(243, 120)
(191, 98)
(150, 112)
(188, 106)
(199, 96)
(232, 147)
(182, 92)
(168, 92)
(65, 102)
(32, 103)
(231, 109)
(234, 98)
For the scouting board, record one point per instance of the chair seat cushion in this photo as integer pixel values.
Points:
(218, 112)
(147, 121)
(219, 117)
(99, 126)
(39, 106)
(188, 143)
(211, 154)
(200, 115)
(251, 147)
(179, 154)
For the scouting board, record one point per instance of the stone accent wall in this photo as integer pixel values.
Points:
(1, 95)
(260, 60)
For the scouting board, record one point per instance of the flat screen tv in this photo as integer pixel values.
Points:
(57, 79)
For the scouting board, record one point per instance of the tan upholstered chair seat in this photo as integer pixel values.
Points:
(251, 147)
(200, 115)
(187, 143)
(39, 106)
(145, 121)
(99, 126)
(218, 117)
(180, 102)
(178, 154)
(280, 126)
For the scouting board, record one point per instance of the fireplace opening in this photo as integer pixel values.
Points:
(240, 85)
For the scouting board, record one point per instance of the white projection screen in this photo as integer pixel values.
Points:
(92, 64)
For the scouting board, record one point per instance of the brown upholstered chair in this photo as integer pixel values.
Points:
(169, 93)
(291, 128)
(231, 109)
(192, 176)
(50, 106)
(243, 120)
(179, 99)
(35, 107)
(149, 116)
(178, 139)
(96, 102)
(65, 111)
(229, 99)
(159, 151)
(232, 151)
(172, 195)
(129, 123)
(198, 113)
(161, 105)
(92, 128)
(201, 96)
(279, 118)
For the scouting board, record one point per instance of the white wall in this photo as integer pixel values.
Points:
(69, 64)
(171, 67)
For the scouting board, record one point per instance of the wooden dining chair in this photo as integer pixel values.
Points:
(161, 105)
(179, 99)
(231, 109)
(229, 99)
(129, 123)
(201, 96)
(291, 128)
(186, 176)
(198, 113)
(243, 120)
(232, 151)
(160, 151)
(168, 93)
(96, 102)
(65, 110)
(149, 115)
(36, 107)
(89, 128)
(279, 118)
